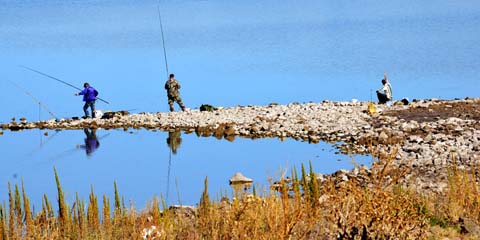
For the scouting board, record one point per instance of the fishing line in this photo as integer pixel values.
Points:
(59, 80)
(40, 104)
(163, 37)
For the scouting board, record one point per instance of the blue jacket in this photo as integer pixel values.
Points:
(88, 94)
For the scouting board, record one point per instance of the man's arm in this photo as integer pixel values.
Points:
(383, 89)
(81, 92)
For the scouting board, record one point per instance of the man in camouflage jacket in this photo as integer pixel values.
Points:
(172, 86)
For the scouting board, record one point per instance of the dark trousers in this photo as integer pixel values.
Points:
(90, 104)
(382, 98)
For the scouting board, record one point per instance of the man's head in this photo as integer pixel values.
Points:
(85, 85)
(172, 75)
(384, 81)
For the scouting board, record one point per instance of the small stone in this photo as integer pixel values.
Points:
(415, 138)
(383, 136)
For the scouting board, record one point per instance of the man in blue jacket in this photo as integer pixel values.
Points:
(89, 96)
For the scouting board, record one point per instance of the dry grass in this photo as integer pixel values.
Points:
(299, 207)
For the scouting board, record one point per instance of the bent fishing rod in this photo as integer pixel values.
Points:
(59, 80)
(163, 37)
(167, 73)
(34, 98)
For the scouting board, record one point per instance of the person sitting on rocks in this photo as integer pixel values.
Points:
(384, 94)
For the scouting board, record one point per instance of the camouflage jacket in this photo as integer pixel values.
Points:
(172, 87)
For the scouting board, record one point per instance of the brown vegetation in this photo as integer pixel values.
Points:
(300, 207)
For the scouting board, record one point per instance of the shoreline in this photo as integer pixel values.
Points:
(426, 135)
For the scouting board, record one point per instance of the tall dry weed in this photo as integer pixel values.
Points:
(459, 207)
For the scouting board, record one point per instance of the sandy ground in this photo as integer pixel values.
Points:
(442, 110)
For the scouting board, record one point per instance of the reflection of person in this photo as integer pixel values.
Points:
(172, 86)
(91, 141)
(384, 94)
(174, 140)
(89, 96)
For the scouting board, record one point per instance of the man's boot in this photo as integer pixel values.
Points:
(171, 108)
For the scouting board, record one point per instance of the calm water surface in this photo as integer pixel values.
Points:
(224, 53)
(144, 165)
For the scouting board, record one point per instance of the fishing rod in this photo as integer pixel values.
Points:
(59, 80)
(166, 72)
(163, 37)
(35, 99)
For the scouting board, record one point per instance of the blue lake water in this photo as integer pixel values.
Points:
(224, 53)
(144, 166)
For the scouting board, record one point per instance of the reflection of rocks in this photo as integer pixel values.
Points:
(428, 134)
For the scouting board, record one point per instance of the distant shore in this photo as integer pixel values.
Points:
(425, 134)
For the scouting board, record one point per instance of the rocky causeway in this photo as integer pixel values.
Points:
(427, 136)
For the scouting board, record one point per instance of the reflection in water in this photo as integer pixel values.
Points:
(240, 189)
(42, 142)
(91, 141)
(138, 157)
(174, 140)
